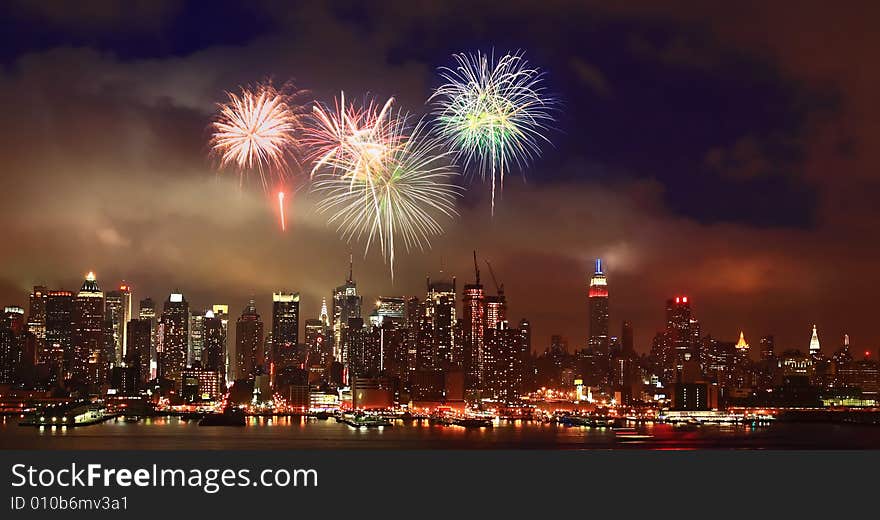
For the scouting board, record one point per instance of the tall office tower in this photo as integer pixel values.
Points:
(249, 351)
(680, 341)
(768, 348)
(36, 321)
(392, 349)
(196, 337)
(496, 309)
(138, 347)
(626, 339)
(815, 348)
(473, 326)
(221, 312)
(214, 346)
(502, 369)
(346, 305)
(12, 344)
(440, 308)
(86, 361)
(364, 350)
(125, 290)
(117, 311)
(147, 311)
(59, 332)
(114, 314)
(174, 337)
(285, 328)
(678, 320)
(525, 335)
(315, 351)
(412, 312)
(598, 302)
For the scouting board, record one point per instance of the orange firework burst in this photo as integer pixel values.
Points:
(255, 131)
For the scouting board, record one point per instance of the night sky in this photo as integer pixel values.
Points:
(726, 152)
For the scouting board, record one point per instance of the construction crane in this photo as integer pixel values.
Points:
(499, 289)
(476, 268)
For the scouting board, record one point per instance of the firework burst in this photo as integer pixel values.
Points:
(255, 131)
(379, 181)
(492, 113)
(352, 141)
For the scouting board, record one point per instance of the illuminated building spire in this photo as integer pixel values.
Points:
(350, 267)
(741, 344)
(814, 341)
(325, 318)
(598, 337)
(90, 286)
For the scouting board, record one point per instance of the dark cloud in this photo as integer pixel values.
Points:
(705, 150)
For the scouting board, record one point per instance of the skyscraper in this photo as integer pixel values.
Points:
(626, 338)
(196, 337)
(473, 324)
(114, 313)
(175, 336)
(502, 364)
(249, 351)
(86, 361)
(214, 346)
(147, 311)
(221, 312)
(440, 309)
(768, 348)
(285, 328)
(59, 332)
(316, 353)
(12, 344)
(496, 308)
(36, 321)
(681, 339)
(346, 305)
(598, 303)
(139, 345)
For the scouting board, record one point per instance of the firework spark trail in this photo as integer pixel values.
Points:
(281, 209)
(255, 130)
(492, 113)
(378, 182)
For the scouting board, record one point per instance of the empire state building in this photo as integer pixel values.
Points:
(598, 302)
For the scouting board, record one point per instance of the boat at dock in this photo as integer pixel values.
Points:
(473, 422)
(68, 415)
(363, 420)
(573, 420)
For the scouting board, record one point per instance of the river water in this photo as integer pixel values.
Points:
(169, 433)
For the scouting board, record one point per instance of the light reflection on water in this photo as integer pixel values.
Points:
(310, 433)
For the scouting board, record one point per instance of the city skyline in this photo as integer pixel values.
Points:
(264, 304)
(694, 152)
